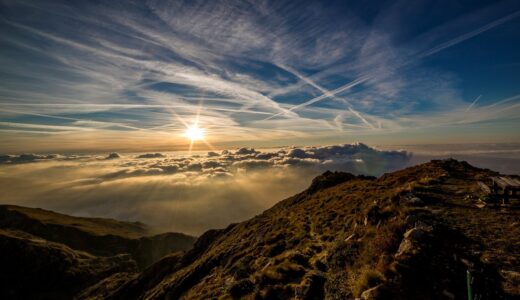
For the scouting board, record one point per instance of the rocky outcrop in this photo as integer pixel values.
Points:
(330, 179)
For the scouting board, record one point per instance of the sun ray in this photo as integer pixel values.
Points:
(194, 132)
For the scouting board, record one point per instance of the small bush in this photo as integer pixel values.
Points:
(299, 259)
(290, 272)
(276, 292)
(242, 268)
(388, 238)
(342, 255)
(241, 288)
(275, 249)
(283, 273)
(367, 279)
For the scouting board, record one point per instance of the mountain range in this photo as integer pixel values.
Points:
(416, 233)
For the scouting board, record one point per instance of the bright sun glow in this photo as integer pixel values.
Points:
(194, 133)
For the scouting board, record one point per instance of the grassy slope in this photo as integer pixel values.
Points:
(338, 241)
(94, 226)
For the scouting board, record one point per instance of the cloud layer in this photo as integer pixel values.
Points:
(181, 193)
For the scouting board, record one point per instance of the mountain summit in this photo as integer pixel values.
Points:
(411, 234)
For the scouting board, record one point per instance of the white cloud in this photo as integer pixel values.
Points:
(188, 193)
(194, 193)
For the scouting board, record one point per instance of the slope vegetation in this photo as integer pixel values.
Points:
(411, 234)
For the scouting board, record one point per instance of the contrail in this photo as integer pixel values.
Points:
(432, 51)
(470, 34)
(116, 105)
(327, 93)
(472, 103)
(515, 97)
(357, 114)
(74, 119)
(324, 96)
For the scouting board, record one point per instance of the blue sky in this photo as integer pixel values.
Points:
(97, 75)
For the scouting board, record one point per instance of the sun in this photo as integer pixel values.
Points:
(194, 133)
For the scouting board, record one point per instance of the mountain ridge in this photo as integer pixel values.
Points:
(346, 237)
(409, 234)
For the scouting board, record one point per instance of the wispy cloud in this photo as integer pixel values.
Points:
(258, 68)
(473, 103)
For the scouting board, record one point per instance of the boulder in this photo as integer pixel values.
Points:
(413, 201)
(374, 293)
(415, 234)
(405, 248)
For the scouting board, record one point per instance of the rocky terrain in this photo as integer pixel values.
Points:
(411, 234)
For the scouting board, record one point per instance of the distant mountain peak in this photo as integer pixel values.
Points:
(330, 179)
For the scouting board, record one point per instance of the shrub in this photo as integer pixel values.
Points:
(388, 238)
(299, 259)
(241, 288)
(283, 273)
(342, 254)
(275, 249)
(367, 279)
(276, 292)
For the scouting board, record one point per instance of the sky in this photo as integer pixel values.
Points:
(134, 75)
(149, 110)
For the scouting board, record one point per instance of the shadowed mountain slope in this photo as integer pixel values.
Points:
(47, 255)
(34, 268)
(102, 237)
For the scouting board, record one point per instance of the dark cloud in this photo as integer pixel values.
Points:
(297, 153)
(26, 158)
(252, 164)
(194, 167)
(212, 164)
(113, 155)
(245, 151)
(151, 155)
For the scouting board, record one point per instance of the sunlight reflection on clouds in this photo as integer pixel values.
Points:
(181, 193)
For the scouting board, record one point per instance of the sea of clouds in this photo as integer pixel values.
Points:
(174, 192)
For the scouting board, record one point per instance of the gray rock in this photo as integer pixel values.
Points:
(405, 247)
(415, 234)
(423, 226)
(448, 294)
(351, 237)
(410, 220)
(372, 293)
(413, 201)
